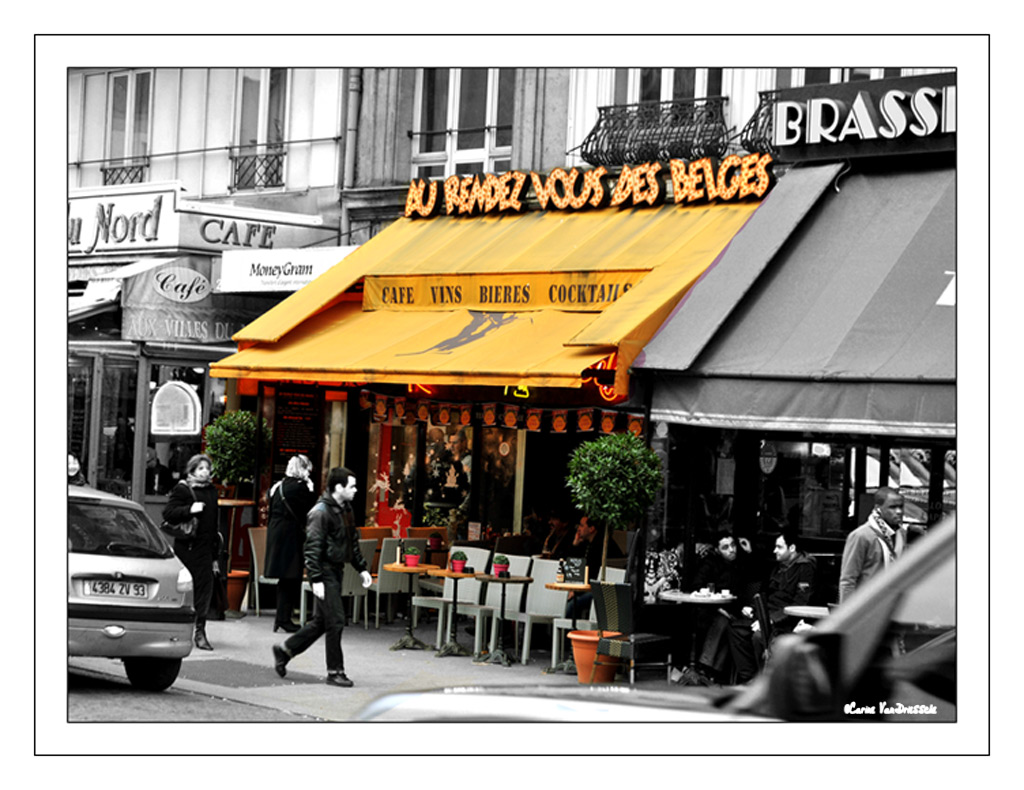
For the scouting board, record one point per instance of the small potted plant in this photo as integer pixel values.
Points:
(412, 556)
(434, 541)
(458, 561)
(499, 564)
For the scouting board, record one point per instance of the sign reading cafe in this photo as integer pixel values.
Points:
(700, 181)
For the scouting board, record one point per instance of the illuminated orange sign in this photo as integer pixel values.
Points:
(734, 178)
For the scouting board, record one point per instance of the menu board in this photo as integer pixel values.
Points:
(297, 418)
(575, 570)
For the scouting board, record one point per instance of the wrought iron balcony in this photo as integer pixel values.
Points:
(657, 131)
(759, 133)
(257, 171)
(124, 173)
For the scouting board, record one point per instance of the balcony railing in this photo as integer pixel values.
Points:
(653, 131)
(257, 171)
(122, 173)
(759, 133)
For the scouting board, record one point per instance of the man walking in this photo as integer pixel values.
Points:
(875, 544)
(331, 541)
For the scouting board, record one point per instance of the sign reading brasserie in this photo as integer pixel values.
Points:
(702, 180)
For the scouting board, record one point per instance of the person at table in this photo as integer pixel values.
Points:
(197, 496)
(290, 500)
(790, 584)
(725, 566)
(559, 539)
(874, 545)
(588, 543)
(331, 541)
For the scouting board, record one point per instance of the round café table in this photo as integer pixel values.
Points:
(409, 641)
(807, 612)
(500, 656)
(452, 646)
(568, 665)
(695, 599)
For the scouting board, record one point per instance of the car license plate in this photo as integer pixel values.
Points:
(117, 589)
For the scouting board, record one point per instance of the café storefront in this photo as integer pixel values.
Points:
(145, 319)
(470, 346)
(815, 362)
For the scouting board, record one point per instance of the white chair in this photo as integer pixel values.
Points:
(258, 546)
(491, 607)
(351, 583)
(565, 623)
(542, 605)
(470, 590)
(388, 582)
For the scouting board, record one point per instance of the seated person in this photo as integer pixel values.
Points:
(588, 542)
(724, 567)
(791, 584)
(559, 540)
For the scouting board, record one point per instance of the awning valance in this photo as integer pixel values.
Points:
(320, 333)
(851, 328)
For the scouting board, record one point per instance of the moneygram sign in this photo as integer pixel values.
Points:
(906, 115)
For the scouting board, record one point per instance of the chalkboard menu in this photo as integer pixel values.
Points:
(576, 570)
(297, 419)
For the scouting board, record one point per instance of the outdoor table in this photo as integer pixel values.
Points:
(807, 612)
(409, 641)
(568, 665)
(452, 647)
(699, 599)
(500, 656)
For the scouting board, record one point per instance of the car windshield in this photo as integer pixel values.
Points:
(104, 528)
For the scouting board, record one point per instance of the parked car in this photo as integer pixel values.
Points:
(129, 597)
(887, 654)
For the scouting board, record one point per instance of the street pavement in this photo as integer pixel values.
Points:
(241, 669)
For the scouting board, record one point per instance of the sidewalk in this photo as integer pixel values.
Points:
(240, 668)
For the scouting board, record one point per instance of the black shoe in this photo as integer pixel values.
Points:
(339, 679)
(289, 627)
(201, 641)
(281, 659)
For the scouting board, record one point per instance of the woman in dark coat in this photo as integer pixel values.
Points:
(290, 500)
(197, 496)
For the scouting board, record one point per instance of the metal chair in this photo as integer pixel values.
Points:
(613, 603)
(258, 546)
(388, 582)
(565, 623)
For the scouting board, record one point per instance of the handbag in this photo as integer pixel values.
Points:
(184, 530)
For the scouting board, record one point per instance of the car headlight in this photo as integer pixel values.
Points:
(184, 580)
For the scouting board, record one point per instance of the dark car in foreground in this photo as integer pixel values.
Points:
(129, 597)
(887, 654)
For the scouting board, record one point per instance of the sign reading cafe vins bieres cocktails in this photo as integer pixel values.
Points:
(702, 180)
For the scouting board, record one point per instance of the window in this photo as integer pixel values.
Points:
(463, 121)
(261, 128)
(129, 103)
(646, 85)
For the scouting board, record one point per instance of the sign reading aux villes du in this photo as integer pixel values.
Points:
(702, 180)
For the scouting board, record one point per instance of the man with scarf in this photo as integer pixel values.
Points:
(875, 544)
(331, 541)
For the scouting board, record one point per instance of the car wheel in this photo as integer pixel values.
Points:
(152, 674)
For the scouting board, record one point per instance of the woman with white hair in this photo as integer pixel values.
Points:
(290, 500)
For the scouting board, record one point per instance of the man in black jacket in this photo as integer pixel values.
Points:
(791, 584)
(331, 541)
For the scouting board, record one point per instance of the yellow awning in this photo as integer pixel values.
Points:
(319, 333)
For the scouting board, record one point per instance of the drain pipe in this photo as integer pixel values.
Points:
(348, 178)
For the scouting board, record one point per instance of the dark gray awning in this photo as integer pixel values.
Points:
(852, 328)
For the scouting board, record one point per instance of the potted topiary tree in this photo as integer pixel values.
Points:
(499, 564)
(612, 480)
(231, 443)
(458, 561)
(412, 556)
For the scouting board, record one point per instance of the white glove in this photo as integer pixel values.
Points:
(318, 590)
(367, 579)
(197, 507)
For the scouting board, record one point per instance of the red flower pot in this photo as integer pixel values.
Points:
(458, 565)
(496, 569)
(412, 560)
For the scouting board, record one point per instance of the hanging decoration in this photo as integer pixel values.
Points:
(380, 408)
(444, 414)
(399, 408)
(511, 417)
(608, 421)
(365, 399)
(585, 420)
(465, 413)
(423, 411)
(490, 414)
(559, 420)
(635, 424)
(533, 419)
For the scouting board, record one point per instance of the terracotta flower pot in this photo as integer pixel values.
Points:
(412, 560)
(496, 569)
(584, 648)
(458, 565)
